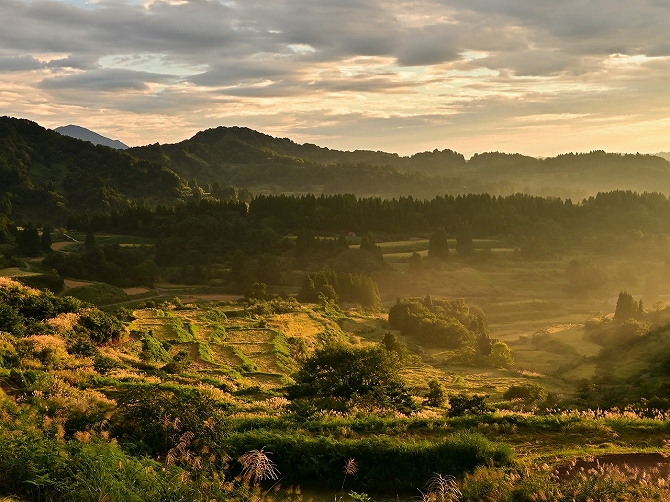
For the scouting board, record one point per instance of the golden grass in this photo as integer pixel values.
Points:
(296, 325)
(225, 355)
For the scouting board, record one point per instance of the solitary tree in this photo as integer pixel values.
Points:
(501, 356)
(438, 244)
(436, 394)
(45, 240)
(464, 244)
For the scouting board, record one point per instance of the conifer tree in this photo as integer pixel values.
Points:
(438, 244)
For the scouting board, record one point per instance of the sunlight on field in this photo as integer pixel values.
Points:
(155, 322)
(15, 272)
(297, 325)
(585, 370)
(574, 336)
(224, 354)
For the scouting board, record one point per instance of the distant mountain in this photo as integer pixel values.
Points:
(45, 175)
(246, 158)
(665, 155)
(75, 131)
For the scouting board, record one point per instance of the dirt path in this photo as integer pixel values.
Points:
(69, 283)
(57, 246)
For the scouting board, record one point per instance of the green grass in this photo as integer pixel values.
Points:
(98, 294)
(15, 272)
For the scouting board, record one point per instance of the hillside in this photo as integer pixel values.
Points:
(48, 175)
(242, 157)
(44, 174)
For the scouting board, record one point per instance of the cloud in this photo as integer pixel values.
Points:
(105, 80)
(292, 65)
(19, 63)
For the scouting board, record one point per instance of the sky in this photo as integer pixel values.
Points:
(538, 77)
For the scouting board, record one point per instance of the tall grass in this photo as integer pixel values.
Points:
(384, 463)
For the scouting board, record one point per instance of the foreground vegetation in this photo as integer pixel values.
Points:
(204, 401)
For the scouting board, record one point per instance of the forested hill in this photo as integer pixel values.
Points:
(243, 157)
(44, 174)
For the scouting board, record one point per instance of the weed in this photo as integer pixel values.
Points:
(441, 489)
(257, 467)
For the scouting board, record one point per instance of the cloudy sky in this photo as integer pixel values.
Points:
(539, 77)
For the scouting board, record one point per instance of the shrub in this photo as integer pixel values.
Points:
(436, 395)
(100, 326)
(529, 392)
(461, 404)
(338, 377)
(153, 418)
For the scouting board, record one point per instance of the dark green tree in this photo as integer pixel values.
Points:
(28, 241)
(528, 392)
(45, 240)
(626, 307)
(462, 404)
(89, 242)
(391, 343)
(153, 419)
(438, 244)
(6, 204)
(464, 244)
(258, 291)
(436, 395)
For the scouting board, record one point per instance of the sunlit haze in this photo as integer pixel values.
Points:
(538, 78)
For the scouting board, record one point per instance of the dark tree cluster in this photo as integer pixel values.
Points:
(113, 264)
(339, 287)
(627, 308)
(207, 230)
(441, 322)
(339, 377)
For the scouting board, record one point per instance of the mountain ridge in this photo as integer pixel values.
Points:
(47, 175)
(232, 154)
(84, 134)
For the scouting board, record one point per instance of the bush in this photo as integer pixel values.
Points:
(339, 377)
(152, 419)
(529, 392)
(99, 294)
(99, 326)
(462, 404)
(153, 350)
(52, 282)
